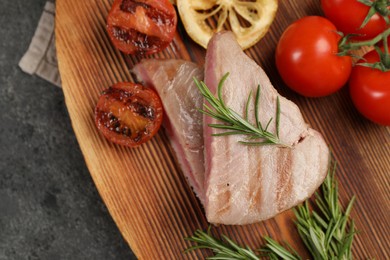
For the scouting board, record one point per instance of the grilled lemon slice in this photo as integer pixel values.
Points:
(249, 20)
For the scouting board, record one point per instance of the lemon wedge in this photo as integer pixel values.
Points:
(249, 20)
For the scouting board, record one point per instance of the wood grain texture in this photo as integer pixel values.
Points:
(144, 188)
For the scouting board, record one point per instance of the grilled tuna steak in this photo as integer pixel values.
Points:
(246, 184)
(173, 80)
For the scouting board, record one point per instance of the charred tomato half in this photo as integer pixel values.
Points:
(141, 26)
(128, 114)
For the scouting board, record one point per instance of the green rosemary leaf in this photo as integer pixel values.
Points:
(255, 143)
(220, 89)
(246, 252)
(214, 102)
(223, 249)
(257, 105)
(346, 250)
(293, 251)
(269, 135)
(228, 127)
(349, 207)
(220, 118)
(319, 220)
(247, 105)
(278, 251)
(269, 122)
(305, 240)
(332, 227)
(227, 133)
(252, 137)
(208, 109)
(318, 240)
(322, 206)
(220, 258)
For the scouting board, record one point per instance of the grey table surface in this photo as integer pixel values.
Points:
(49, 206)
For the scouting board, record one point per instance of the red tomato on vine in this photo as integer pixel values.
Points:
(348, 16)
(307, 60)
(370, 90)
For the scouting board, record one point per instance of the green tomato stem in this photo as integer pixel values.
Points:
(346, 45)
(386, 56)
(381, 7)
(377, 6)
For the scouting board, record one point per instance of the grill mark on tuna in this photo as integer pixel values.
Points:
(224, 198)
(255, 190)
(284, 184)
(224, 202)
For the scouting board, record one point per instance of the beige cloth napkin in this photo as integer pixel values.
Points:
(40, 58)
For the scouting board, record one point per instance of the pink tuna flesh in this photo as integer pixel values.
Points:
(173, 81)
(246, 184)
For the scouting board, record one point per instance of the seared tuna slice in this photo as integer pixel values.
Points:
(246, 184)
(173, 81)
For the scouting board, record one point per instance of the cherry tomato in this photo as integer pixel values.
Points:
(128, 114)
(141, 26)
(307, 60)
(370, 91)
(348, 16)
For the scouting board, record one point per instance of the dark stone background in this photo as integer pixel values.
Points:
(49, 206)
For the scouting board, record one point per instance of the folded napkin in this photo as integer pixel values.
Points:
(40, 58)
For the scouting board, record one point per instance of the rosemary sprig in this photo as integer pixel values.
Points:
(273, 250)
(233, 123)
(223, 249)
(324, 232)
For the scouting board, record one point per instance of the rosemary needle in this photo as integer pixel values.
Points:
(324, 232)
(233, 123)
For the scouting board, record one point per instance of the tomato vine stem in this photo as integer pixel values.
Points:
(378, 6)
(345, 46)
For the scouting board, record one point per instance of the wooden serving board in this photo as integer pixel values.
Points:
(144, 188)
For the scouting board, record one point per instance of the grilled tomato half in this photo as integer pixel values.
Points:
(141, 26)
(128, 114)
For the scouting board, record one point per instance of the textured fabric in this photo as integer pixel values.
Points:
(40, 58)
